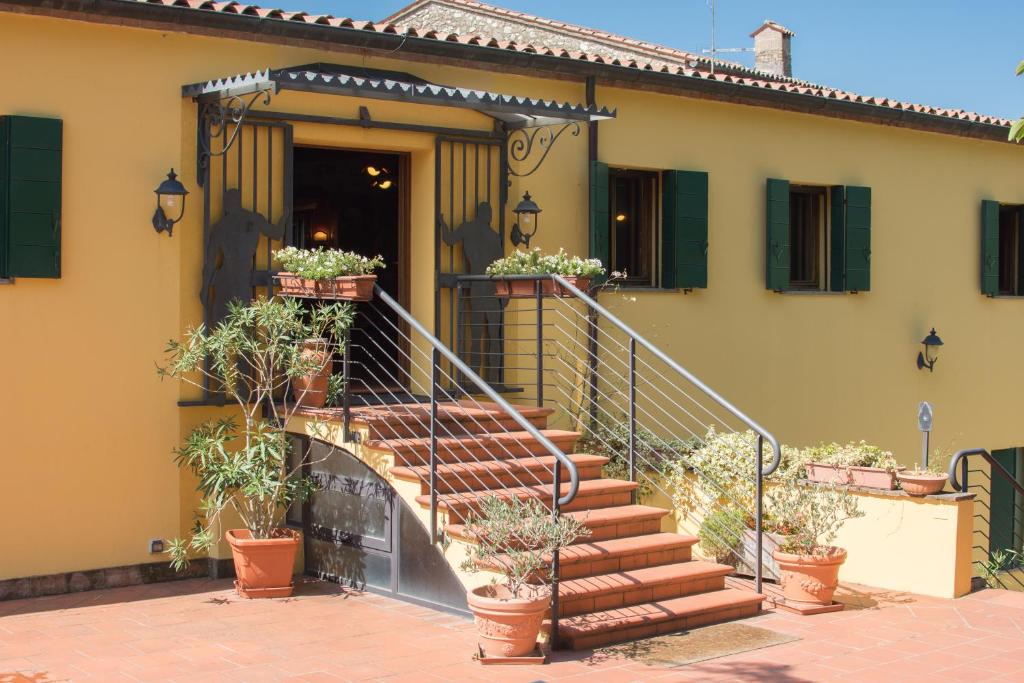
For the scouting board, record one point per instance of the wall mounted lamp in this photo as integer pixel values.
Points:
(170, 201)
(927, 358)
(527, 218)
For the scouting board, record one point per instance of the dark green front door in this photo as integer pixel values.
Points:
(1004, 523)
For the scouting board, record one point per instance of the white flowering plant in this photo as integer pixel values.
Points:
(841, 456)
(535, 262)
(326, 264)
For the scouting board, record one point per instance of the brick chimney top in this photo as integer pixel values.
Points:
(772, 49)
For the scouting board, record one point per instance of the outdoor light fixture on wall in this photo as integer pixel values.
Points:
(927, 358)
(170, 201)
(527, 218)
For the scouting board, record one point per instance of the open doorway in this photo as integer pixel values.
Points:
(358, 201)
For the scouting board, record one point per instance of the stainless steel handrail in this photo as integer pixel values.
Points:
(660, 355)
(468, 373)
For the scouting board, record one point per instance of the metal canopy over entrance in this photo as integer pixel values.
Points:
(335, 79)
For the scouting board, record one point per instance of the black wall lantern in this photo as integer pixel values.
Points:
(927, 358)
(170, 201)
(527, 217)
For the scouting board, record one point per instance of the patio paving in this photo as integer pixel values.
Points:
(198, 630)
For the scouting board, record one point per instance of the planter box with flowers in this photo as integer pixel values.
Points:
(854, 464)
(327, 274)
(576, 271)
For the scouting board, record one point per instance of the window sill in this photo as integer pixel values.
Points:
(1011, 297)
(6, 280)
(811, 292)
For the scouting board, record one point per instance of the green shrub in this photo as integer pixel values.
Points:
(720, 533)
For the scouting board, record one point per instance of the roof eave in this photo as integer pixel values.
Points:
(251, 27)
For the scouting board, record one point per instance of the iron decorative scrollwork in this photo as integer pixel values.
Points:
(526, 142)
(222, 119)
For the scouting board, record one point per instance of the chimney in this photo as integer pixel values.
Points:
(772, 53)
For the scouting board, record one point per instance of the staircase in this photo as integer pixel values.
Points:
(627, 580)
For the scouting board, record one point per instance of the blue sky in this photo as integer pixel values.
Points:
(949, 53)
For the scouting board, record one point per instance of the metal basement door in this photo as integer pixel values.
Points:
(358, 532)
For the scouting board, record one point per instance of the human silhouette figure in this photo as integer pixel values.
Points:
(481, 246)
(233, 241)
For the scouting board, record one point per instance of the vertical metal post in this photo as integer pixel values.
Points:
(924, 451)
(555, 559)
(632, 414)
(539, 286)
(758, 520)
(435, 361)
(346, 395)
(963, 474)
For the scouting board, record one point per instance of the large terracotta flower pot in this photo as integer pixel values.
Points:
(922, 483)
(310, 391)
(263, 566)
(823, 473)
(344, 288)
(507, 626)
(810, 580)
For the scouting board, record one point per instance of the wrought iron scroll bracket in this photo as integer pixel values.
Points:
(529, 147)
(220, 120)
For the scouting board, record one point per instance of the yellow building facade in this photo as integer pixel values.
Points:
(89, 428)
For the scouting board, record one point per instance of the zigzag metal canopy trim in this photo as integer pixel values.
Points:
(515, 111)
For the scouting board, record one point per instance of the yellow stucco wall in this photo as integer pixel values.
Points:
(89, 428)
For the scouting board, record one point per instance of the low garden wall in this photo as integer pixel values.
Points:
(902, 543)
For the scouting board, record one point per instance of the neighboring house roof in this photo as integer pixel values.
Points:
(426, 35)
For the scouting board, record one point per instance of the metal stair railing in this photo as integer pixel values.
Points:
(394, 364)
(602, 372)
(959, 471)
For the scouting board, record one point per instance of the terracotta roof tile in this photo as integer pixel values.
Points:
(753, 79)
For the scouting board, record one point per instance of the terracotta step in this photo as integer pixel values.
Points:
(605, 523)
(412, 420)
(656, 618)
(647, 584)
(475, 476)
(624, 554)
(479, 447)
(591, 495)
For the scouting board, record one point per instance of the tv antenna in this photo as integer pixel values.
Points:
(714, 51)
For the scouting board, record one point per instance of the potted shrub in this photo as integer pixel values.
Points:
(516, 538)
(925, 481)
(856, 464)
(809, 517)
(245, 464)
(327, 274)
(577, 271)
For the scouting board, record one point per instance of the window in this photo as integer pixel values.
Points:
(652, 225)
(818, 238)
(1002, 244)
(633, 197)
(1009, 251)
(807, 237)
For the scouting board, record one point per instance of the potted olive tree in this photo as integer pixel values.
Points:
(577, 271)
(515, 538)
(244, 464)
(327, 274)
(809, 516)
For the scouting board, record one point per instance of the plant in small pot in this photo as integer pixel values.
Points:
(926, 481)
(577, 271)
(245, 464)
(517, 539)
(809, 517)
(327, 274)
(854, 463)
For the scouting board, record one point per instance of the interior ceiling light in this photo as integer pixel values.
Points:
(384, 184)
(373, 171)
(620, 218)
(320, 235)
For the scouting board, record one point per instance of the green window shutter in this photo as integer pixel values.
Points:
(600, 226)
(684, 230)
(30, 202)
(777, 247)
(989, 247)
(857, 258)
(837, 274)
